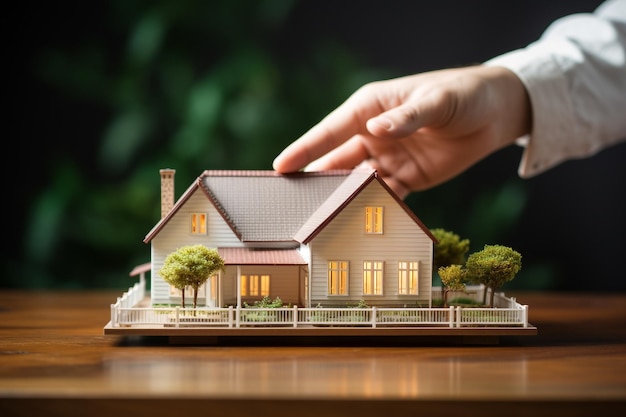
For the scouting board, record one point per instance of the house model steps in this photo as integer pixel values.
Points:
(344, 254)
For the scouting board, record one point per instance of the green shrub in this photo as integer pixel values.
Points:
(265, 302)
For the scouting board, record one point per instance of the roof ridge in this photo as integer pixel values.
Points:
(272, 173)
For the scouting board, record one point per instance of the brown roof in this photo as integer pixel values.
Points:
(340, 197)
(249, 256)
(265, 206)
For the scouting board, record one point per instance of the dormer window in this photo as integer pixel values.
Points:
(373, 220)
(198, 223)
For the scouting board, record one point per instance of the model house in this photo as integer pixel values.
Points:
(322, 242)
(328, 239)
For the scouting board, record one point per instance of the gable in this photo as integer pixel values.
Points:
(350, 221)
(344, 195)
(265, 206)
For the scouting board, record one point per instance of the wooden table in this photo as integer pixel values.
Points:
(55, 360)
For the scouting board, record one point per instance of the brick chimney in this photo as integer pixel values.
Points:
(167, 190)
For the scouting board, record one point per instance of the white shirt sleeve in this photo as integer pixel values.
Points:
(575, 75)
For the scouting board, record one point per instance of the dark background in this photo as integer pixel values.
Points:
(104, 94)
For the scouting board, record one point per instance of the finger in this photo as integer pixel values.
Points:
(346, 156)
(331, 132)
(422, 110)
(350, 158)
(337, 127)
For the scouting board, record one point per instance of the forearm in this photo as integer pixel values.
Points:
(575, 76)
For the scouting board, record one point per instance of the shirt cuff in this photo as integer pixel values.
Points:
(552, 138)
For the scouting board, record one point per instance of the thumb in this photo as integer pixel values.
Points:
(405, 119)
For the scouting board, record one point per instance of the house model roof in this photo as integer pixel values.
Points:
(265, 206)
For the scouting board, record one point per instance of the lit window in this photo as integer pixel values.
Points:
(373, 278)
(373, 220)
(338, 277)
(244, 285)
(265, 285)
(198, 223)
(255, 285)
(408, 274)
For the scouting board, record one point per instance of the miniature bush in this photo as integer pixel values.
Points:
(265, 302)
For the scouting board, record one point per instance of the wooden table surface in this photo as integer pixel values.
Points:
(55, 360)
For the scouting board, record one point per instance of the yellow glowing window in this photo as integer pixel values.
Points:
(244, 285)
(373, 277)
(373, 219)
(338, 277)
(408, 274)
(255, 285)
(198, 223)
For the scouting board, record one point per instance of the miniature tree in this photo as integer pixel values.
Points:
(191, 266)
(450, 249)
(452, 279)
(493, 266)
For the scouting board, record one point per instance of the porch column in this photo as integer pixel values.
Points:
(308, 284)
(238, 286)
(220, 296)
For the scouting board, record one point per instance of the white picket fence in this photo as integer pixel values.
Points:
(126, 313)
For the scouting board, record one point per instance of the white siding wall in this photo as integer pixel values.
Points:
(344, 239)
(177, 233)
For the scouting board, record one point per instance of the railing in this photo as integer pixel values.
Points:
(130, 298)
(124, 313)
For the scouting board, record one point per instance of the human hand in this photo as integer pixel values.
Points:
(417, 131)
